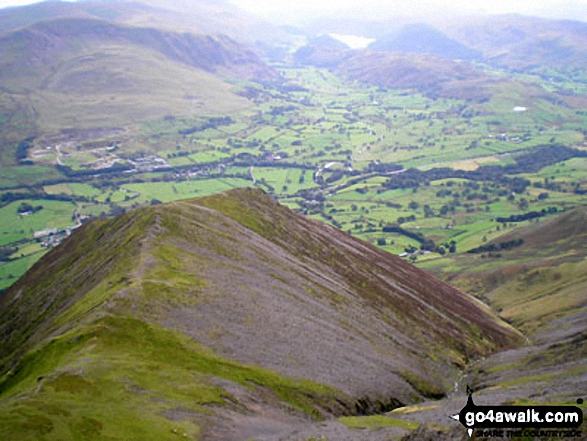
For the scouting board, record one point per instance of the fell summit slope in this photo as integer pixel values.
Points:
(202, 314)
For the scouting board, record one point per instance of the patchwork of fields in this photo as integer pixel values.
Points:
(415, 174)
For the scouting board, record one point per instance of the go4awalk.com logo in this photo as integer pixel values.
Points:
(521, 421)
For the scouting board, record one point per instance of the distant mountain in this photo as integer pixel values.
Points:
(422, 38)
(197, 16)
(225, 317)
(45, 45)
(519, 42)
(322, 51)
(426, 73)
(422, 72)
(321, 56)
(80, 72)
(510, 41)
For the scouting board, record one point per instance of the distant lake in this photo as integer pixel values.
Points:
(353, 41)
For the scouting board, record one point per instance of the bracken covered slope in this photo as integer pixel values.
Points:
(224, 317)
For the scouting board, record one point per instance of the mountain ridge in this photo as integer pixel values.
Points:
(257, 283)
(205, 17)
(45, 41)
(82, 72)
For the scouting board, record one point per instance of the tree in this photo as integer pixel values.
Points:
(25, 207)
(381, 241)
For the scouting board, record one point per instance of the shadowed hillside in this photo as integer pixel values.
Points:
(203, 313)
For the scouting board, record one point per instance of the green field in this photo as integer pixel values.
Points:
(166, 192)
(336, 138)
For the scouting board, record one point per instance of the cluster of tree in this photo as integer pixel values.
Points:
(527, 216)
(382, 167)
(180, 154)
(526, 163)
(22, 149)
(336, 175)
(403, 220)
(260, 162)
(70, 173)
(312, 195)
(287, 88)
(399, 230)
(8, 197)
(543, 156)
(212, 123)
(281, 110)
(6, 252)
(429, 245)
(25, 207)
(492, 247)
(413, 178)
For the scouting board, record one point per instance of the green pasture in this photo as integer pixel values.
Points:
(11, 271)
(26, 175)
(171, 191)
(15, 227)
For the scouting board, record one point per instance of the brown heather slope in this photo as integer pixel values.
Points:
(125, 305)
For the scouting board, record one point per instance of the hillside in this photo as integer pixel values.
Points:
(39, 48)
(77, 73)
(422, 72)
(224, 316)
(422, 38)
(196, 16)
(426, 73)
(509, 41)
(519, 42)
(540, 288)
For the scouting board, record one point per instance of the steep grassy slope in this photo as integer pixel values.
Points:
(197, 317)
(549, 259)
